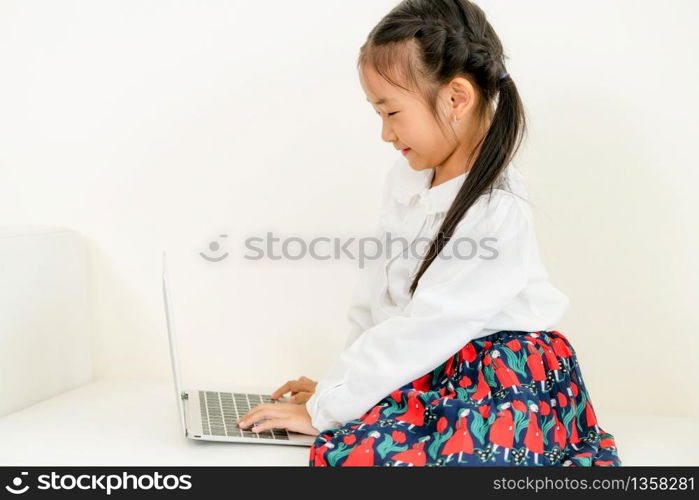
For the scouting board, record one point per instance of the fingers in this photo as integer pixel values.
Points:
(280, 423)
(282, 390)
(301, 397)
(290, 385)
(308, 381)
(258, 413)
(302, 384)
(253, 412)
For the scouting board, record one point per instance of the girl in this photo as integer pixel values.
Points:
(451, 359)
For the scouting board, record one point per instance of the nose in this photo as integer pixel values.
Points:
(387, 133)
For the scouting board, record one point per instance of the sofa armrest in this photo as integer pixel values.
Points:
(45, 337)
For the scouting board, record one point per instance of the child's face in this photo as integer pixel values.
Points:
(407, 122)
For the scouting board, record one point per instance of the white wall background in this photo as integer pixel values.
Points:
(162, 124)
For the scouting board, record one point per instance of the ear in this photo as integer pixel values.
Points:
(462, 97)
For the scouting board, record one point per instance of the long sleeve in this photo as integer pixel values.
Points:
(359, 311)
(455, 299)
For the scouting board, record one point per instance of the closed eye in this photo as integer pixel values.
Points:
(389, 114)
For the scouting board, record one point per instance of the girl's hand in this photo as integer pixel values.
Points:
(290, 416)
(301, 390)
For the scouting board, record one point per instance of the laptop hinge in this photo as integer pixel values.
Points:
(184, 396)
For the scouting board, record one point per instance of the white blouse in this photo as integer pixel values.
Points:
(494, 280)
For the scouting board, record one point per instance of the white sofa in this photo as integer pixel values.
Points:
(52, 411)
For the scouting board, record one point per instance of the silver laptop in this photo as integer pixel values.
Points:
(212, 415)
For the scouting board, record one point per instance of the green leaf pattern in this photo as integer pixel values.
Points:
(485, 432)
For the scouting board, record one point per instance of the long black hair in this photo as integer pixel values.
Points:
(426, 43)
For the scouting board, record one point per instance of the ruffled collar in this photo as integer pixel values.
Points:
(411, 183)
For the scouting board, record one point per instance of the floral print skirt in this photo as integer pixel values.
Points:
(510, 398)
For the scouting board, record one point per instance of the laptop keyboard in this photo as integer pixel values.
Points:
(220, 410)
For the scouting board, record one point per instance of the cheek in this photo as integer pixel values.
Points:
(414, 138)
(423, 140)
